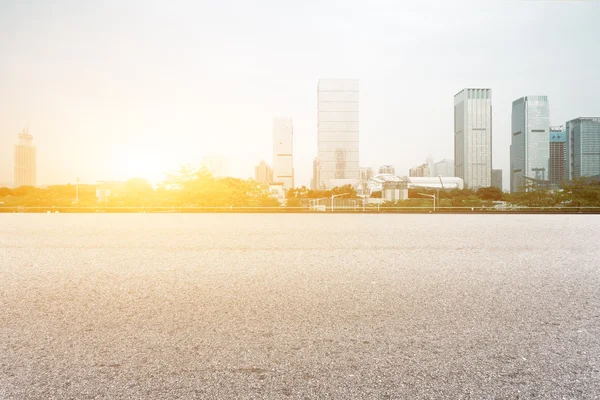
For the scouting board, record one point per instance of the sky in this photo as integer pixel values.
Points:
(112, 90)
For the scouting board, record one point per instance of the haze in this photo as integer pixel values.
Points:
(112, 91)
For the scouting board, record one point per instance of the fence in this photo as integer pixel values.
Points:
(318, 207)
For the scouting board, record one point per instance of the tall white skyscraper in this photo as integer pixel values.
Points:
(338, 131)
(25, 161)
(473, 137)
(283, 149)
(529, 149)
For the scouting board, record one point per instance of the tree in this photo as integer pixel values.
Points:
(490, 193)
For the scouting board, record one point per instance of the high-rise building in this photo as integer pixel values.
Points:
(25, 161)
(445, 167)
(529, 147)
(387, 169)
(557, 164)
(263, 173)
(315, 182)
(366, 174)
(497, 178)
(338, 130)
(216, 164)
(420, 171)
(283, 147)
(473, 137)
(583, 147)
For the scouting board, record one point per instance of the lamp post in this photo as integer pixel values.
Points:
(336, 195)
(430, 195)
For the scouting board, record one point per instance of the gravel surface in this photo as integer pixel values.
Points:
(243, 306)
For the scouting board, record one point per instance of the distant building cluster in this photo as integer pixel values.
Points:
(540, 153)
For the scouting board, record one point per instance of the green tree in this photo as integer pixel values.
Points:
(490, 193)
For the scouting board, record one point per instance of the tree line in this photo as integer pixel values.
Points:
(196, 187)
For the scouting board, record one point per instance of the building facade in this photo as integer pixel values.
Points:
(337, 104)
(420, 171)
(25, 173)
(263, 173)
(473, 137)
(529, 149)
(283, 149)
(387, 169)
(445, 167)
(557, 164)
(583, 147)
(315, 182)
(497, 178)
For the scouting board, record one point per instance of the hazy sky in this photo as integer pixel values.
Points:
(116, 89)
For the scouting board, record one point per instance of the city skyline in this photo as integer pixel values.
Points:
(120, 104)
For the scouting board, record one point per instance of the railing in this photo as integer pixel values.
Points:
(370, 209)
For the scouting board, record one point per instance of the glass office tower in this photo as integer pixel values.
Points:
(473, 137)
(529, 149)
(337, 131)
(583, 147)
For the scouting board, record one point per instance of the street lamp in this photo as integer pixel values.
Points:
(430, 195)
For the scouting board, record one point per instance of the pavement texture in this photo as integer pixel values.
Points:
(234, 306)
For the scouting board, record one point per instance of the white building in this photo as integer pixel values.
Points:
(25, 161)
(473, 137)
(448, 182)
(283, 148)
(530, 145)
(216, 164)
(337, 130)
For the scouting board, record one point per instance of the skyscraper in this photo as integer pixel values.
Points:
(315, 182)
(445, 167)
(263, 173)
(25, 161)
(583, 147)
(529, 147)
(497, 178)
(473, 137)
(283, 145)
(337, 130)
(557, 164)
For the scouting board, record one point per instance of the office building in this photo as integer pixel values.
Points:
(283, 148)
(529, 146)
(216, 164)
(387, 169)
(366, 174)
(445, 167)
(557, 164)
(25, 173)
(473, 137)
(497, 178)
(420, 171)
(583, 147)
(338, 131)
(315, 182)
(263, 173)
